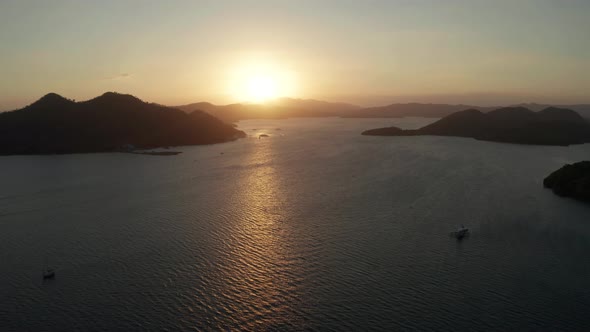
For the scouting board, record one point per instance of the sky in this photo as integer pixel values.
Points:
(367, 52)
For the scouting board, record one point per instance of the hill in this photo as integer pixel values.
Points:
(582, 109)
(551, 126)
(54, 124)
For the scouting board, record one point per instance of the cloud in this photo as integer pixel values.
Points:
(118, 77)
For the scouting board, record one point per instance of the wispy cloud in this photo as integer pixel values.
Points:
(118, 77)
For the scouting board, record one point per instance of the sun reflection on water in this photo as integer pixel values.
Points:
(260, 277)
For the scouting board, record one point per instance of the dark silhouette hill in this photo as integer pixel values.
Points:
(551, 126)
(572, 180)
(582, 109)
(54, 124)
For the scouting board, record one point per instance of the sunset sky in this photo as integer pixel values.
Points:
(366, 52)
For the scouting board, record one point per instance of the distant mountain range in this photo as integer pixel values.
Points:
(110, 122)
(288, 107)
(550, 126)
(276, 109)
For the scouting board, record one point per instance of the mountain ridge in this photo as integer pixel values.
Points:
(55, 125)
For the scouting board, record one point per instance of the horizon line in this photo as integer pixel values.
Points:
(333, 101)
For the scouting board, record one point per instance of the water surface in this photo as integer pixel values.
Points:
(315, 227)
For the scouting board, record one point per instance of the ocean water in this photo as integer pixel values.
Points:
(313, 228)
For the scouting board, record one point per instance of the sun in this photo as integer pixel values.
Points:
(259, 82)
(260, 88)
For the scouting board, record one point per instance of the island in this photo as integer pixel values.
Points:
(110, 122)
(572, 180)
(550, 126)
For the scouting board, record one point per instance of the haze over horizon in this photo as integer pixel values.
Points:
(470, 52)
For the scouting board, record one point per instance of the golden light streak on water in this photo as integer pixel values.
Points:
(258, 259)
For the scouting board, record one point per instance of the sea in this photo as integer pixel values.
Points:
(313, 228)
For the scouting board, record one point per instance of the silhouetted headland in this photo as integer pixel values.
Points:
(110, 122)
(572, 180)
(551, 126)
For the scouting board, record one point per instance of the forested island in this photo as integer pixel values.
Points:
(110, 122)
(550, 126)
(572, 180)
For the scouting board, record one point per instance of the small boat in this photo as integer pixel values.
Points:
(262, 135)
(461, 232)
(48, 272)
